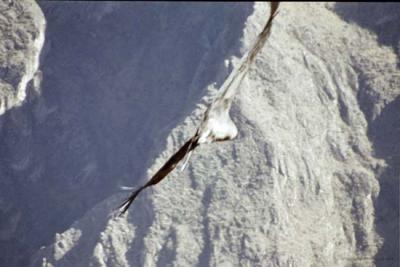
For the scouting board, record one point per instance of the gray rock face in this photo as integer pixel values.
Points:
(22, 28)
(311, 180)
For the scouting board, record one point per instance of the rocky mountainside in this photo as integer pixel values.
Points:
(22, 29)
(311, 180)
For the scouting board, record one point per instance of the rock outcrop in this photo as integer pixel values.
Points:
(22, 29)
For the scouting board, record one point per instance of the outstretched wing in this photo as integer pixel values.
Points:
(220, 105)
(163, 172)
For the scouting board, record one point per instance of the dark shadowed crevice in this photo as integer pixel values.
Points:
(167, 253)
(206, 253)
(384, 131)
(382, 19)
(383, 128)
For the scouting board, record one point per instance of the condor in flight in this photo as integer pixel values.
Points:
(216, 124)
